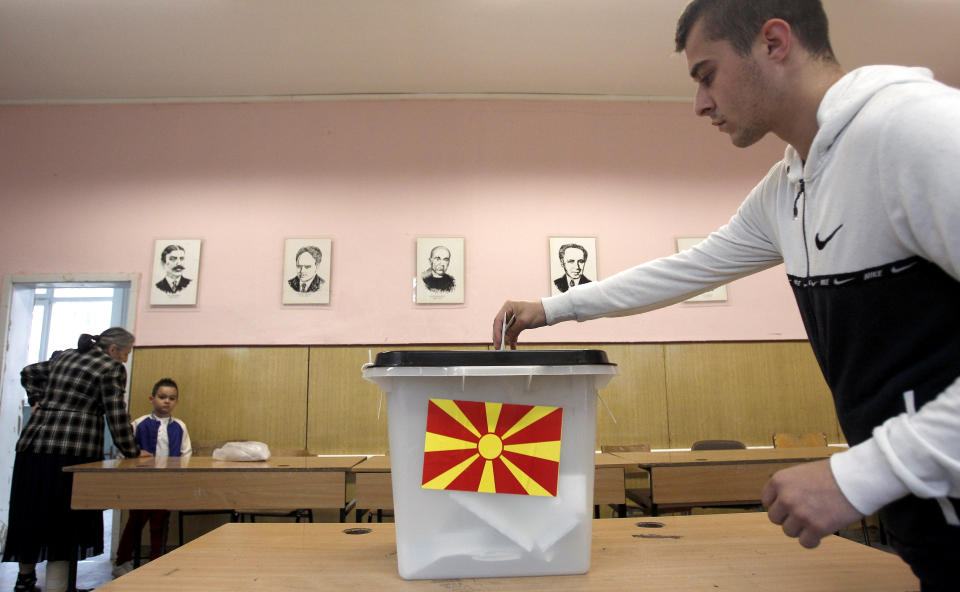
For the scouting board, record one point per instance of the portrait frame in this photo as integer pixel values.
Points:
(176, 288)
(559, 281)
(316, 289)
(718, 294)
(449, 287)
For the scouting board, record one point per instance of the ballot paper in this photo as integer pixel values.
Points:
(532, 523)
(501, 529)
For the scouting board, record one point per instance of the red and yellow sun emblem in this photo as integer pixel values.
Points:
(492, 447)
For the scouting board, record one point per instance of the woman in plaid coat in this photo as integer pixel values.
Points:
(70, 394)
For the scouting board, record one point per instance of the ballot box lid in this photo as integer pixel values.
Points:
(448, 358)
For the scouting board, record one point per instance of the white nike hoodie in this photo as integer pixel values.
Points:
(869, 232)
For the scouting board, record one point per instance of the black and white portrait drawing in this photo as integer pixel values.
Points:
(440, 273)
(306, 271)
(718, 294)
(176, 263)
(573, 261)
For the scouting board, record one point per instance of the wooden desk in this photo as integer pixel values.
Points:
(709, 552)
(375, 491)
(202, 483)
(609, 476)
(717, 477)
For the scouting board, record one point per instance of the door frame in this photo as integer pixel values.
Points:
(8, 418)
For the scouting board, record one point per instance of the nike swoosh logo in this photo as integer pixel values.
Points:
(895, 269)
(840, 282)
(822, 243)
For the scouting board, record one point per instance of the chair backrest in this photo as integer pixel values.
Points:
(625, 448)
(717, 445)
(788, 440)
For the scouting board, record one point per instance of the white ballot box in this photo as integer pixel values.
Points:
(492, 459)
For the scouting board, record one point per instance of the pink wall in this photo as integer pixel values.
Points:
(87, 189)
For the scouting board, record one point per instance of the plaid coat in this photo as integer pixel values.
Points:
(74, 391)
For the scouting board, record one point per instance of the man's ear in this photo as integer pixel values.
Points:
(777, 38)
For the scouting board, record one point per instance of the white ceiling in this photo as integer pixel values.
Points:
(106, 50)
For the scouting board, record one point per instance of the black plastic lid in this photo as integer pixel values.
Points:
(542, 357)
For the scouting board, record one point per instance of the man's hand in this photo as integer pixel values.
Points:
(144, 454)
(807, 502)
(525, 315)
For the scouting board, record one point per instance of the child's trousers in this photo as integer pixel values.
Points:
(131, 534)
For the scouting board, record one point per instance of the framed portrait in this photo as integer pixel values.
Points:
(440, 270)
(718, 294)
(573, 261)
(176, 272)
(306, 270)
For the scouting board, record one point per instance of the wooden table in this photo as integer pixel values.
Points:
(375, 492)
(374, 489)
(609, 476)
(703, 553)
(717, 477)
(200, 483)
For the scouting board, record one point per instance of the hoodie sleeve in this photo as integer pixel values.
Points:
(910, 453)
(743, 246)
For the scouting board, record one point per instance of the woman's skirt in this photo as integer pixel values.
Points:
(41, 525)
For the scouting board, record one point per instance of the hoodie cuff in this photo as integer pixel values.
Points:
(865, 477)
(558, 309)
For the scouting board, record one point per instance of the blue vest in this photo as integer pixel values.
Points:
(147, 432)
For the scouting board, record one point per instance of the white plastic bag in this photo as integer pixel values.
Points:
(242, 451)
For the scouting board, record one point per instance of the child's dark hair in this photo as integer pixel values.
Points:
(164, 382)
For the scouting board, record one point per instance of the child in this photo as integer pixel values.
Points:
(163, 435)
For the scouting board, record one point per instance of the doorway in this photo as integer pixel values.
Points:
(44, 314)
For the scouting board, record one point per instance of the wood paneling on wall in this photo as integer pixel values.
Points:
(746, 392)
(342, 407)
(637, 397)
(230, 393)
(667, 395)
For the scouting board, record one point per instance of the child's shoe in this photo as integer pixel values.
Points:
(121, 569)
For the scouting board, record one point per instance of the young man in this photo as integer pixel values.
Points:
(863, 211)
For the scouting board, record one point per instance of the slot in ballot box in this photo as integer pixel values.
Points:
(492, 459)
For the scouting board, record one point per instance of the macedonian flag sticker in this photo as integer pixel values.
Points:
(492, 447)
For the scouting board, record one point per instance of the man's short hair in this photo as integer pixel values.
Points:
(168, 250)
(162, 383)
(740, 21)
(572, 246)
(316, 253)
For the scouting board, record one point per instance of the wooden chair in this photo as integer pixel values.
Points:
(297, 514)
(638, 495)
(718, 445)
(811, 440)
(614, 448)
